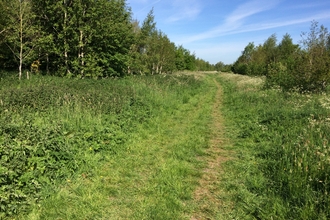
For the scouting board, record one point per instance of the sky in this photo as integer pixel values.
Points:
(219, 30)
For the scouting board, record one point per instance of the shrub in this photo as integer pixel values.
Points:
(278, 75)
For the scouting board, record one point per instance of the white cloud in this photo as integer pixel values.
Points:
(250, 8)
(309, 5)
(184, 9)
(282, 23)
(235, 22)
(147, 4)
(140, 1)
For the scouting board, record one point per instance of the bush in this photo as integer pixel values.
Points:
(278, 75)
(240, 68)
(312, 73)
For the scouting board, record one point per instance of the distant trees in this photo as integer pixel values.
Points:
(86, 38)
(288, 65)
(221, 67)
(154, 53)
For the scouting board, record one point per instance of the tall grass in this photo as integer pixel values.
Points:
(88, 149)
(283, 163)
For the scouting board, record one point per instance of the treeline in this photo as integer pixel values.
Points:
(86, 38)
(302, 67)
(221, 67)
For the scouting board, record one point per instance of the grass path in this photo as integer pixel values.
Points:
(208, 194)
(169, 170)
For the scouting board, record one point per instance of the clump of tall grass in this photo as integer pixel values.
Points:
(286, 149)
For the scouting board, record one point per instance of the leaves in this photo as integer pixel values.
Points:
(303, 68)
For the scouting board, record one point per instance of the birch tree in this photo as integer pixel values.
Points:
(21, 34)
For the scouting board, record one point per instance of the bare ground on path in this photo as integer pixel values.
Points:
(208, 194)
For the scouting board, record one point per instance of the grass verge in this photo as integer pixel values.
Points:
(282, 143)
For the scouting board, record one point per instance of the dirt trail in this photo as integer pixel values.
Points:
(208, 194)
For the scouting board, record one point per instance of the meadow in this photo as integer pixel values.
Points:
(122, 148)
(281, 140)
(137, 147)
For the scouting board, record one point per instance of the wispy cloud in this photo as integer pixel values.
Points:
(148, 4)
(235, 21)
(250, 8)
(270, 25)
(184, 9)
(309, 5)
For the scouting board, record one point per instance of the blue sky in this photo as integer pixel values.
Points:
(218, 30)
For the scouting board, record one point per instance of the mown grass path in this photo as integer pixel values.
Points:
(208, 194)
(170, 169)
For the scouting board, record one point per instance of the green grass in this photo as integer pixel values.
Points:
(282, 143)
(131, 148)
(102, 149)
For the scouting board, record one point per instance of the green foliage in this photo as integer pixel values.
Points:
(303, 69)
(240, 68)
(278, 75)
(20, 34)
(312, 70)
(85, 39)
(270, 49)
(202, 65)
(251, 61)
(220, 66)
(179, 58)
(46, 126)
(57, 130)
(282, 171)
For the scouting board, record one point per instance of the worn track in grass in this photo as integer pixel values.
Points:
(156, 173)
(208, 195)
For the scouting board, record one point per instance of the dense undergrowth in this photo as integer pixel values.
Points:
(282, 139)
(55, 130)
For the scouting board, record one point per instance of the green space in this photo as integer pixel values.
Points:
(102, 149)
(137, 147)
(281, 140)
(102, 116)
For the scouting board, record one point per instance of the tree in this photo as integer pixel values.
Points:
(86, 38)
(165, 51)
(3, 17)
(219, 66)
(112, 41)
(179, 58)
(241, 65)
(248, 52)
(286, 47)
(190, 60)
(312, 67)
(21, 34)
(270, 49)
(5, 53)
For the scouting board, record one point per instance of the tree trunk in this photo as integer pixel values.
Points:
(21, 41)
(81, 52)
(160, 69)
(157, 68)
(65, 36)
(47, 63)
